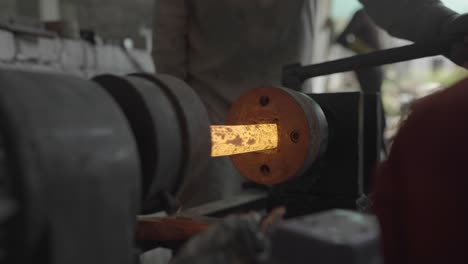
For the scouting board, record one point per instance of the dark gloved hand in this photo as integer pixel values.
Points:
(457, 28)
(236, 240)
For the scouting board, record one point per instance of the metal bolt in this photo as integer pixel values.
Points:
(264, 100)
(265, 169)
(295, 136)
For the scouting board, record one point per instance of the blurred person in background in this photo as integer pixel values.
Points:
(223, 48)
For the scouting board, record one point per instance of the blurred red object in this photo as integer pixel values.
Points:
(421, 191)
(168, 232)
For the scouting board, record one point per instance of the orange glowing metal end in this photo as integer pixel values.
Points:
(232, 140)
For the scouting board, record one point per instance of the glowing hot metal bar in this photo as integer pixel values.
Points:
(232, 140)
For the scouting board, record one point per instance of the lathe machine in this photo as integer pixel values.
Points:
(81, 159)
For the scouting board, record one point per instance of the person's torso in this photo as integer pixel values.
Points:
(236, 45)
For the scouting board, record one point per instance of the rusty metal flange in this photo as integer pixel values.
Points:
(302, 131)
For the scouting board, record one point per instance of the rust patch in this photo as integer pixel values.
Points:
(252, 141)
(221, 135)
(236, 142)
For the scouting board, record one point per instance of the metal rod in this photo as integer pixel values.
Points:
(295, 75)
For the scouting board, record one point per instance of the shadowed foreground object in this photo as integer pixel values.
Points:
(231, 140)
(70, 185)
(331, 237)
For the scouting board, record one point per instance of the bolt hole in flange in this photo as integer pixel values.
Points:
(295, 136)
(265, 169)
(264, 100)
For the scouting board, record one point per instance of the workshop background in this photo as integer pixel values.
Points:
(121, 32)
(404, 82)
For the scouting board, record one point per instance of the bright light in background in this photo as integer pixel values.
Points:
(343, 9)
(457, 5)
